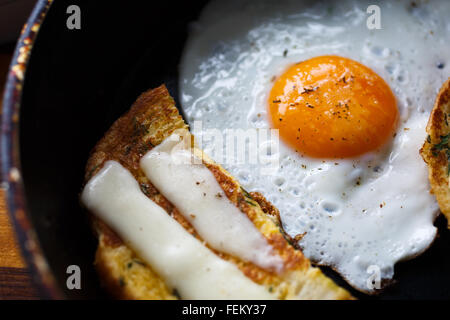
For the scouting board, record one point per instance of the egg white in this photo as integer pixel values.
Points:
(354, 214)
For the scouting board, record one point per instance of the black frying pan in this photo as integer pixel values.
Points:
(77, 82)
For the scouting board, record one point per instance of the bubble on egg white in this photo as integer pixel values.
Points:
(330, 208)
(380, 52)
(372, 210)
(279, 181)
(244, 177)
(294, 191)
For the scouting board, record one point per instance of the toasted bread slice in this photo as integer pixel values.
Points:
(152, 118)
(436, 149)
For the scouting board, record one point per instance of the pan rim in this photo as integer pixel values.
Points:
(12, 182)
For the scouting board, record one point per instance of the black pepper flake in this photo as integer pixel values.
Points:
(309, 106)
(285, 52)
(176, 293)
(139, 128)
(138, 262)
(440, 65)
(276, 101)
(127, 150)
(308, 90)
(145, 189)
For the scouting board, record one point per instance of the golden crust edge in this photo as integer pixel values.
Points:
(438, 164)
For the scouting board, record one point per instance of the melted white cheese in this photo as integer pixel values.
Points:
(184, 262)
(189, 185)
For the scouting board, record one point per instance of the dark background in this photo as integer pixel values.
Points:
(78, 82)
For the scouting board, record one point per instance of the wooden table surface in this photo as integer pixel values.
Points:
(15, 280)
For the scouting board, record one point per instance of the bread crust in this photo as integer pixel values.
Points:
(151, 119)
(435, 150)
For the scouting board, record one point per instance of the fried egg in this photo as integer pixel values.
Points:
(350, 105)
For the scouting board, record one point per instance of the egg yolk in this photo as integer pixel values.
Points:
(332, 107)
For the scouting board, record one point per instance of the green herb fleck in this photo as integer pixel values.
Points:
(246, 193)
(92, 171)
(442, 144)
(448, 161)
(285, 236)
